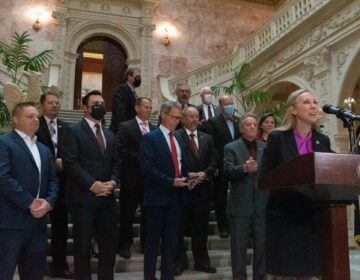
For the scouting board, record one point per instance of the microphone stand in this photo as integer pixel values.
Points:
(349, 124)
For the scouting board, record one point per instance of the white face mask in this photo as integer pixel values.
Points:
(208, 99)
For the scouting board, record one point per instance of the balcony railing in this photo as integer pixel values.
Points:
(281, 23)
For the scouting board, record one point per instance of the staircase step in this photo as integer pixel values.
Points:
(214, 243)
(218, 258)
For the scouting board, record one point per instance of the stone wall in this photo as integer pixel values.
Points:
(207, 30)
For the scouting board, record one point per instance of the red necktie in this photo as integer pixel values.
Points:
(193, 145)
(210, 115)
(100, 138)
(174, 155)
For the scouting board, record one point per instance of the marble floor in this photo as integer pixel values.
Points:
(224, 272)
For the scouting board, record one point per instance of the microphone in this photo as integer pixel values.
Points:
(340, 112)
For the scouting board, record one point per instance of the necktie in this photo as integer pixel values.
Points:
(52, 129)
(193, 145)
(143, 128)
(174, 155)
(100, 138)
(210, 115)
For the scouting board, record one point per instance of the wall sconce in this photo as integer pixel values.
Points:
(37, 13)
(165, 37)
(166, 31)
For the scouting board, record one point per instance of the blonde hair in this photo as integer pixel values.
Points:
(289, 120)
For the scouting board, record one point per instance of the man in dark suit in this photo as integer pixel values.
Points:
(224, 129)
(28, 191)
(164, 173)
(123, 106)
(201, 161)
(91, 162)
(50, 133)
(131, 193)
(207, 110)
(247, 203)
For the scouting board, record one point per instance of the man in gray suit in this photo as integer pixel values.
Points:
(246, 204)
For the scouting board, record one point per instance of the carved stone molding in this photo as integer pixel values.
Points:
(80, 20)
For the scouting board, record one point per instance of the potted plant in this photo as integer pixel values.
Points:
(16, 57)
(248, 99)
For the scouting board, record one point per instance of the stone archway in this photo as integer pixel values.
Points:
(100, 65)
(128, 24)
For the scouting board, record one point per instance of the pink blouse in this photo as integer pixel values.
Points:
(304, 145)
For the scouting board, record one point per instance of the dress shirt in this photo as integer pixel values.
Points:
(188, 132)
(54, 137)
(140, 122)
(93, 128)
(230, 125)
(206, 112)
(31, 144)
(166, 132)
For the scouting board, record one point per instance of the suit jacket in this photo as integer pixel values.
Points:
(43, 136)
(123, 106)
(158, 171)
(19, 181)
(207, 158)
(202, 113)
(219, 130)
(84, 163)
(245, 199)
(129, 136)
(281, 147)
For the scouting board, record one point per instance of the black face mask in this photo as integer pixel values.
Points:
(137, 81)
(98, 112)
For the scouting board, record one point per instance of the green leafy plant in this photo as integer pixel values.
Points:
(247, 98)
(16, 57)
(5, 117)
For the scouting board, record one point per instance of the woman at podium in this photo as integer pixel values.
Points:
(292, 242)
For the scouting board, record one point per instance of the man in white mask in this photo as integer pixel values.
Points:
(207, 110)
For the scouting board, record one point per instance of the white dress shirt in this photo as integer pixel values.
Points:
(166, 132)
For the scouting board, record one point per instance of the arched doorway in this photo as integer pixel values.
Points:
(100, 65)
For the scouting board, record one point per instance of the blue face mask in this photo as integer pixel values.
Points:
(229, 110)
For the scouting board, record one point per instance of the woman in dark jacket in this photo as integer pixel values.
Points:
(292, 241)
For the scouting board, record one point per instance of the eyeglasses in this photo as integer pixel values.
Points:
(174, 117)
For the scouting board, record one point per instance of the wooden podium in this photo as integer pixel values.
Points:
(333, 181)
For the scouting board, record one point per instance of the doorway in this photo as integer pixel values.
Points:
(101, 65)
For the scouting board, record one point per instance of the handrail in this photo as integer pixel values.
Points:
(221, 71)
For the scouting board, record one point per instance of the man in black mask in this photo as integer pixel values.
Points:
(123, 106)
(91, 163)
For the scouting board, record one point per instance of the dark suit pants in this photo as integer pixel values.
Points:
(162, 224)
(196, 223)
(25, 248)
(240, 228)
(221, 186)
(59, 235)
(130, 197)
(100, 221)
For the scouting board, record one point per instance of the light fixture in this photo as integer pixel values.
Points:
(38, 12)
(349, 103)
(165, 37)
(166, 31)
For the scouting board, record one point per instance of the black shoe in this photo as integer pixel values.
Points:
(224, 233)
(125, 253)
(205, 268)
(65, 274)
(178, 270)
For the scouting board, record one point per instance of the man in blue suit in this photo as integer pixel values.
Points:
(28, 191)
(91, 163)
(164, 171)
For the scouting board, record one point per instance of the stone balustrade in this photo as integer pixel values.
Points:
(281, 23)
